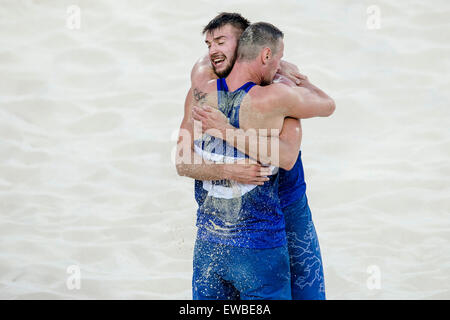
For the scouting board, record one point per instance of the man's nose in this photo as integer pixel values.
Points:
(212, 49)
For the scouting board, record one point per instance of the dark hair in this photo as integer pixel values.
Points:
(257, 36)
(235, 19)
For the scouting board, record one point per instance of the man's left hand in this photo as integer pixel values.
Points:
(290, 71)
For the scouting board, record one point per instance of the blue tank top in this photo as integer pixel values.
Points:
(229, 212)
(292, 183)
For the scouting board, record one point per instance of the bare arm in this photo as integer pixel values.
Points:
(278, 150)
(188, 163)
(303, 101)
(281, 151)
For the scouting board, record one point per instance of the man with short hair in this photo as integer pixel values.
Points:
(221, 60)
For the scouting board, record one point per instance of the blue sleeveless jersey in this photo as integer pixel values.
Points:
(292, 183)
(229, 212)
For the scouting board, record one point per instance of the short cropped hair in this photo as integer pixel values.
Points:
(256, 37)
(224, 18)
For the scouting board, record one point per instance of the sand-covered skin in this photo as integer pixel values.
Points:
(88, 123)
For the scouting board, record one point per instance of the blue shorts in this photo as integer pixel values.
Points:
(224, 272)
(305, 260)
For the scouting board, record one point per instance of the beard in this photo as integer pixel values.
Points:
(225, 72)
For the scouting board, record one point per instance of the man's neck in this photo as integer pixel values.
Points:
(241, 73)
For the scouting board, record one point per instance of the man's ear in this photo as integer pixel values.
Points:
(266, 55)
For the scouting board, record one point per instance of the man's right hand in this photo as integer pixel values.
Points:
(211, 118)
(246, 173)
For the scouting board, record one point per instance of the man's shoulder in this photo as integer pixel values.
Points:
(202, 71)
(269, 93)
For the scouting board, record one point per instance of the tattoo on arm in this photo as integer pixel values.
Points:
(199, 96)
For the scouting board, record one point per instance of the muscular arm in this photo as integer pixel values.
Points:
(189, 163)
(285, 147)
(284, 156)
(304, 101)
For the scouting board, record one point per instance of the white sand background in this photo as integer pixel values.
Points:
(88, 119)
